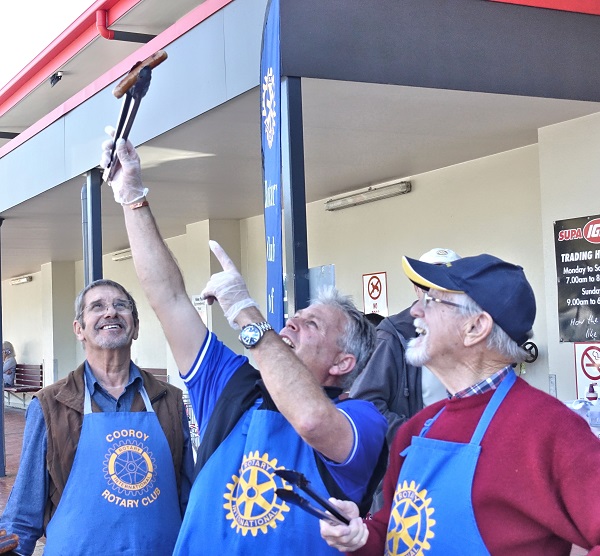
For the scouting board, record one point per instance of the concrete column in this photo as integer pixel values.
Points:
(58, 340)
(200, 264)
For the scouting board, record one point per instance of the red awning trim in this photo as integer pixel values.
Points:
(78, 35)
(74, 39)
(580, 6)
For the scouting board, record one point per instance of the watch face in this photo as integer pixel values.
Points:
(250, 335)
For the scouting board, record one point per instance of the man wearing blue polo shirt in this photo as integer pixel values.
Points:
(251, 424)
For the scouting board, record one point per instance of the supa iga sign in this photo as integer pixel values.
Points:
(590, 232)
(577, 246)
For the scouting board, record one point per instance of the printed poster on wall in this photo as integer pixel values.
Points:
(577, 248)
(587, 367)
(375, 293)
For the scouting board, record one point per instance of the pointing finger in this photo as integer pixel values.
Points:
(222, 257)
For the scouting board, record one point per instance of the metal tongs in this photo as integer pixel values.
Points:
(134, 87)
(298, 479)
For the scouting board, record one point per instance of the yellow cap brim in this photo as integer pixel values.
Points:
(417, 277)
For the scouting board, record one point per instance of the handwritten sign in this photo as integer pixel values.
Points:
(577, 247)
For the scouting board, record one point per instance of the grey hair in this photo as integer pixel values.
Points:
(79, 307)
(498, 340)
(359, 335)
(8, 348)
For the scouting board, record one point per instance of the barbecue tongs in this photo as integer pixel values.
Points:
(298, 479)
(134, 86)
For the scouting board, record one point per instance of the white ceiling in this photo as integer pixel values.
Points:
(355, 134)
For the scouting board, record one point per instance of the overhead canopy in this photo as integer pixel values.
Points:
(466, 45)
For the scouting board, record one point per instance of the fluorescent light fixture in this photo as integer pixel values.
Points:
(122, 255)
(155, 156)
(370, 194)
(21, 280)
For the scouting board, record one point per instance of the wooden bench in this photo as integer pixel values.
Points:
(28, 379)
(160, 374)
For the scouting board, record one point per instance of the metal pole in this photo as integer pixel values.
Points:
(294, 194)
(3, 443)
(91, 211)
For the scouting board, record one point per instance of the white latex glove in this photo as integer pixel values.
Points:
(346, 538)
(126, 182)
(227, 287)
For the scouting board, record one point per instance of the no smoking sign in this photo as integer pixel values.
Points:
(375, 293)
(587, 363)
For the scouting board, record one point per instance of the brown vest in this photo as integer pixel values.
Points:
(62, 404)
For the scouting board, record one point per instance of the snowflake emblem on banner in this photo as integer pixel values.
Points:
(268, 106)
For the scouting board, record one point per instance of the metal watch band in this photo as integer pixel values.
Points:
(263, 326)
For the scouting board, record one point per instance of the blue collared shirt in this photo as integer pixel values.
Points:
(24, 512)
(105, 401)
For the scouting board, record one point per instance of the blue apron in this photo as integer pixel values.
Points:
(121, 494)
(432, 512)
(233, 508)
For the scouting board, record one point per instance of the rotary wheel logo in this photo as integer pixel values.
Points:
(251, 502)
(129, 466)
(268, 106)
(410, 525)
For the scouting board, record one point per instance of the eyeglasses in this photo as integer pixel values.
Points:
(427, 298)
(121, 306)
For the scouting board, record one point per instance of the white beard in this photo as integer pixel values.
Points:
(116, 340)
(418, 355)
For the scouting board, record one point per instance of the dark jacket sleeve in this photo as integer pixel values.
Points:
(379, 382)
(388, 381)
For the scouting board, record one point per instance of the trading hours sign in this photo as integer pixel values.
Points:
(577, 246)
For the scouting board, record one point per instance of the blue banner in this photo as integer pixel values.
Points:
(270, 72)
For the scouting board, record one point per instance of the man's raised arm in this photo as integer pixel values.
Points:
(157, 270)
(295, 391)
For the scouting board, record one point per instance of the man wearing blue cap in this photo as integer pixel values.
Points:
(399, 390)
(499, 467)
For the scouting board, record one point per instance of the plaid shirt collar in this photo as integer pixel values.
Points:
(487, 384)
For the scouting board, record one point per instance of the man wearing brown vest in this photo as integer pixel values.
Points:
(109, 444)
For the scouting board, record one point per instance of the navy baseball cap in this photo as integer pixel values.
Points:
(498, 287)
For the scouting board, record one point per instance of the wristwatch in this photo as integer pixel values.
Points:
(252, 333)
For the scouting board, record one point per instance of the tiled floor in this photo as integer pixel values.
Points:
(14, 422)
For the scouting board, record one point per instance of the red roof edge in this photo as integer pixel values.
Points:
(80, 33)
(68, 43)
